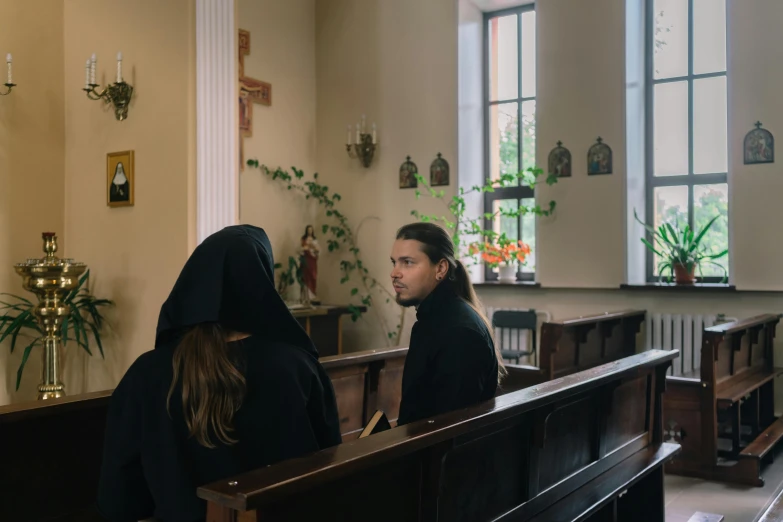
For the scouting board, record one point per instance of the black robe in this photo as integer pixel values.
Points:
(151, 467)
(451, 363)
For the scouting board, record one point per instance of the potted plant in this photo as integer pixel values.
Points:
(505, 255)
(84, 318)
(681, 251)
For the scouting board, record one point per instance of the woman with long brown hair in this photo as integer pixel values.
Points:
(233, 384)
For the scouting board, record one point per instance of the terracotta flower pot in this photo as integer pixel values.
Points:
(683, 276)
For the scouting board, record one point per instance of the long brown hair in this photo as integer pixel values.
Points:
(437, 245)
(212, 387)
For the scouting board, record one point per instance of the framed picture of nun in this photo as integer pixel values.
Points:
(119, 179)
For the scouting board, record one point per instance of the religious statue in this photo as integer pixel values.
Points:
(310, 251)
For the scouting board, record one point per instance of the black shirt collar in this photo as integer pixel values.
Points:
(430, 305)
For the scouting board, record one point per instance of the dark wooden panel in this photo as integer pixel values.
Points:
(492, 487)
(349, 389)
(390, 388)
(569, 426)
(51, 457)
(626, 421)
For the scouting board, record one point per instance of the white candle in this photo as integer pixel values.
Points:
(87, 74)
(358, 140)
(119, 67)
(93, 59)
(374, 135)
(8, 60)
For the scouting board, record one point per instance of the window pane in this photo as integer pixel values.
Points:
(503, 58)
(670, 119)
(710, 126)
(528, 53)
(670, 205)
(528, 134)
(670, 38)
(504, 139)
(506, 225)
(528, 226)
(709, 36)
(710, 201)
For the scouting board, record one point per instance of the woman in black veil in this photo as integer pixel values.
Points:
(233, 384)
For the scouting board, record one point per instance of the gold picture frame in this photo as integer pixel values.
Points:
(120, 180)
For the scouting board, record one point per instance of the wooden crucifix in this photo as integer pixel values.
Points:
(250, 91)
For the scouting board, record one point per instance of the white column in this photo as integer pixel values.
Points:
(217, 153)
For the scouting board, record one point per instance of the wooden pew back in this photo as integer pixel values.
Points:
(528, 454)
(365, 382)
(738, 348)
(51, 453)
(573, 345)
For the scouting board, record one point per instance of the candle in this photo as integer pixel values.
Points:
(93, 59)
(8, 60)
(119, 67)
(374, 135)
(348, 141)
(87, 74)
(358, 140)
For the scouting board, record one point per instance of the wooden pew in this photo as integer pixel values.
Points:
(51, 455)
(52, 449)
(365, 382)
(585, 447)
(577, 344)
(708, 410)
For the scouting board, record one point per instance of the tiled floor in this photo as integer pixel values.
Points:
(685, 496)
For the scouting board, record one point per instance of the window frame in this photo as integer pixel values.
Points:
(689, 180)
(505, 193)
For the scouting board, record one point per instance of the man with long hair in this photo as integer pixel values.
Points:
(452, 361)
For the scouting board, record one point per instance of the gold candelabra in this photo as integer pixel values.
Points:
(50, 279)
(8, 84)
(118, 93)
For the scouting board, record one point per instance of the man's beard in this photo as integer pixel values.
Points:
(407, 302)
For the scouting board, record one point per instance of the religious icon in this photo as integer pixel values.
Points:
(408, 171)
(599, 158)
(759, 146)
(560, 161)
(439, 172)
(309, 262)
(119, 179)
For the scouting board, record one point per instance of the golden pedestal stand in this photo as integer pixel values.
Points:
(50, 279)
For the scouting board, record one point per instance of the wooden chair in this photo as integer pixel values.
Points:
(514, 324)
(724, 414)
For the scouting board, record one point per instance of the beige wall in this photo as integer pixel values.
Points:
(134, 253)
(31, 151)
(396, 62)
(282, 52)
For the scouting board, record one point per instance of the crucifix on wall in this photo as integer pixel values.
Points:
(250, 91)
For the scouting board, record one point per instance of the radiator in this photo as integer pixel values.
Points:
(520, 340)
(681, 332)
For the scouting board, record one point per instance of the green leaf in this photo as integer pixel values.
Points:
(354, 291)
(25, 355)
(15, 324)
(324, 229)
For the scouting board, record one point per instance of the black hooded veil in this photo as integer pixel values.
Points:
(151, 467)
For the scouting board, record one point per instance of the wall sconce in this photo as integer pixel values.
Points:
(9, 84)
(364, 146)
(118, 93)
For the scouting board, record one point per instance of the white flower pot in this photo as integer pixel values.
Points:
(507, 273)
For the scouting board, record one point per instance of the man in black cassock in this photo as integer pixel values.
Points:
(451, 362)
